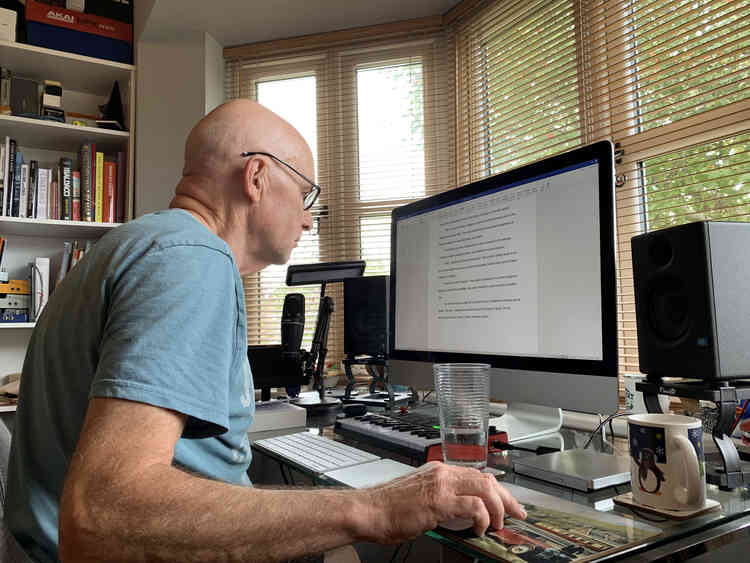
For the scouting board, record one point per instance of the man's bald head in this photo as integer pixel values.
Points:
(214, 145)
(254, 204)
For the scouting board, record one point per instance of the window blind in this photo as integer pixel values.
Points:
(378, 114)
(408, 111)
(518, 71)
(668, 82)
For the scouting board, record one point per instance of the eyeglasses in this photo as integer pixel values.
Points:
(309, 198)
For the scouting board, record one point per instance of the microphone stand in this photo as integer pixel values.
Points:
(315, 360)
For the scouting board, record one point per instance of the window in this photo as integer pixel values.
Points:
(530, 86)
(494, 85)
(294, 100)
(665, 80)
(702, 182)
(375, 242)
(678, 104)
(370, 110)
(390, 131)
(520, 97)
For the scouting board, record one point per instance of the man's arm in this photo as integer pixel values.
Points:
(123, 500)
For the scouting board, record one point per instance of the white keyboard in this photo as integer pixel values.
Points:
(313, 453)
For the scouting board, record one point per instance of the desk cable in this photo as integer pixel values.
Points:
(607, 420)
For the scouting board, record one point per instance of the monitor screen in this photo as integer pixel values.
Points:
(516, 270)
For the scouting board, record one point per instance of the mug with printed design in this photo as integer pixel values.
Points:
(667, 468)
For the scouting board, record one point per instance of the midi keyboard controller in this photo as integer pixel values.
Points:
(415, 435)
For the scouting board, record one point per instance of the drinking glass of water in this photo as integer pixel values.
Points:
(463, 392)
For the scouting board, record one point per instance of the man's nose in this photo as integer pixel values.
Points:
(307, 220)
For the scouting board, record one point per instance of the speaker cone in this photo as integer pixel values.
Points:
(668, 311)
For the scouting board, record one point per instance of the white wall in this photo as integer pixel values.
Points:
(141, 13)
(180, 77)
(214, 61)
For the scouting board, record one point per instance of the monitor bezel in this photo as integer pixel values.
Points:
(601, 151)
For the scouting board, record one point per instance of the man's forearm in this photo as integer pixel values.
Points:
(164, 514)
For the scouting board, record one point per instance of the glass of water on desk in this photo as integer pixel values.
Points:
(463, 405)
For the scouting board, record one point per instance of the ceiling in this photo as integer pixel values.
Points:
(236, 22)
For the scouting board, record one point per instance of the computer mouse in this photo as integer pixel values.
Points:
(355, 409)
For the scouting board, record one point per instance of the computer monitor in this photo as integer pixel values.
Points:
(518, 271)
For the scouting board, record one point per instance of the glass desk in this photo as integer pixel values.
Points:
(714, 533)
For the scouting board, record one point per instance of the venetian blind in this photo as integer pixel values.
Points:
(378, 113)
(519, 80)
(504, 84)
(668, 82)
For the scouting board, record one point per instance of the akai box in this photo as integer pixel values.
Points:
(75, 32)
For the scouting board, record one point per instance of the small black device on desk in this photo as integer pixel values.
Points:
(271, 369)
(355, 409)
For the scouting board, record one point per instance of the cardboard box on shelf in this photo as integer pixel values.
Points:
(76, 32)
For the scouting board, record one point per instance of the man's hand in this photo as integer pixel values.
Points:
(406, 507)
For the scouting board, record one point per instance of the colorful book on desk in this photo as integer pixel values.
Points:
(555, 530)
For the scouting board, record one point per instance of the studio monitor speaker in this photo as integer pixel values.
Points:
(366, 316)
(692, 300)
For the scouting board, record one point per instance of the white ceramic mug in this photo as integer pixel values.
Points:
(667, 469)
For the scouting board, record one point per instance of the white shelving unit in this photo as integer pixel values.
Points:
(51, 135)
(52, 228)
(87, 83)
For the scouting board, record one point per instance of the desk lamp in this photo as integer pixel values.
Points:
(314, 361)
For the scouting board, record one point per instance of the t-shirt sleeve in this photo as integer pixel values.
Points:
(169, 336)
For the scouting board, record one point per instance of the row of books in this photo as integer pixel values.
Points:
(73, 252)
(93, 192)
(23, 300)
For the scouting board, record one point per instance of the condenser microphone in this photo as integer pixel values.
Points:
(292, 325)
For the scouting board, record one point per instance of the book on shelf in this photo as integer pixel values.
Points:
(66, 185)
(92, 186)
(6, 181)
(2, 178)
(65, 262)
(5, 81)
(120, 188)
(23, 197)
(39, 275)
(33, 186)
(10, 168)
(99, 197)
(42, 191)
(16, 200)
(73, 252)
(85, 164)
(94, 192)
(76, 195)
(110, 181)
(53, 195)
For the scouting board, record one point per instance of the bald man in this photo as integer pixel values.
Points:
(131, 433)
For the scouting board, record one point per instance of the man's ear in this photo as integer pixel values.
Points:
(255, 178)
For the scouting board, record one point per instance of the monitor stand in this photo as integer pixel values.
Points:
(523, 421)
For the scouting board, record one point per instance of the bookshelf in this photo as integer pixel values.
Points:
(87, 83)
(54, 136)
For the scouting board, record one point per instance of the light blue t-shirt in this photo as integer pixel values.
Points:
(154, 313)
